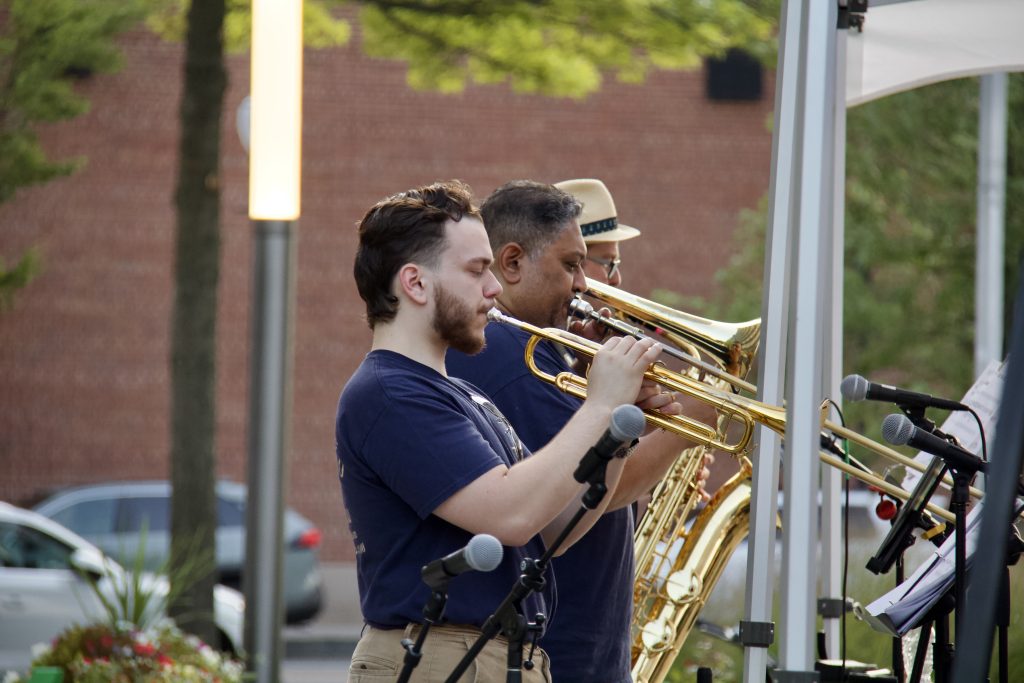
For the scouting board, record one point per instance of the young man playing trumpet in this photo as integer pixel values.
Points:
(539, 256)
(426, 462)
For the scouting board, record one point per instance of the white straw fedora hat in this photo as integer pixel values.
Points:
(599, 221)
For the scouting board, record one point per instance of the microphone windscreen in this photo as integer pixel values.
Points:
(627, 422)
(483, 552)
(854, 388)
(897, 429)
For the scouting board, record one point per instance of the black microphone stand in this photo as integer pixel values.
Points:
(433, 610)
(963, 470)
(507, 618)
(898, 668)
(911, 514)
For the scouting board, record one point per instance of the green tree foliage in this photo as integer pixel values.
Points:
(911, 184)
(556, 47)
(44, 45)
(561, 47)
(168, 18)
(14, 278)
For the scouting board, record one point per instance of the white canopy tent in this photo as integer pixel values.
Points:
(821, 72)
(908, 44)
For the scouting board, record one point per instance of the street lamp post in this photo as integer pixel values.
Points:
(275, 155)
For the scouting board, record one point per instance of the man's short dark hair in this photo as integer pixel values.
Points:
(408, 227)
(528, 213)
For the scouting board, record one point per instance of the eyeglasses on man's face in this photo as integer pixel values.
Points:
(610, 265)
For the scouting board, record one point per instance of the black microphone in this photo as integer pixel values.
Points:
(899, 430)
(857, 388)
(627, 425)
(482, 553)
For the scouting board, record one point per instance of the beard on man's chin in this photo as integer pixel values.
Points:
(454, 323)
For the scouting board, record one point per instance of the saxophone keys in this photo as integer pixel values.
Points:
(656, 635)
(684, 586)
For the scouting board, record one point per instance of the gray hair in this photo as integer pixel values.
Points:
(528, 213)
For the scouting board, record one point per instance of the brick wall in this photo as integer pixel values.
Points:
(84, 388)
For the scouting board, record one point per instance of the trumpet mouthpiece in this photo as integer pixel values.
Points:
(580, 308)
(494, 315)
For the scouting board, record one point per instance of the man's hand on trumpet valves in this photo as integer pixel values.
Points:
(653, 396)
(617, 372)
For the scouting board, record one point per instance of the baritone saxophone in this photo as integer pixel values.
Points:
(681, 551)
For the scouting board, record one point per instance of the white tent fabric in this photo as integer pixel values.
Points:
(909, 44)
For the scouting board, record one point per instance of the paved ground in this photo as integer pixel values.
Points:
(334, 631)
(314, 671)
(319, 651)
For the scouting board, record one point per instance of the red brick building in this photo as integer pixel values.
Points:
(84, 352)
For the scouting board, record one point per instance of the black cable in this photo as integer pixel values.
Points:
(981, 431)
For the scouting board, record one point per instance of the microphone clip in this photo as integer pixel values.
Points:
(916, 415)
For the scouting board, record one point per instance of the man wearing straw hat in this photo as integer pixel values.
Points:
(601, 229)
(539, 261)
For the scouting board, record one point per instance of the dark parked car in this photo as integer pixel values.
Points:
(112, 515)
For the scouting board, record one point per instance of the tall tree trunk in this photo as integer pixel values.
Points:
(197, 263)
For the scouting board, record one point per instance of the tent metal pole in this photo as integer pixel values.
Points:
(989, 296)
(804, 362)
(831, 606)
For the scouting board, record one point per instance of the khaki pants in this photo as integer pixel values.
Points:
(379, 656)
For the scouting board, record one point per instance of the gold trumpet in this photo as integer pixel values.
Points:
(736, 408)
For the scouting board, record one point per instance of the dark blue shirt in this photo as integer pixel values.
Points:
(407, 439)
(588, 638)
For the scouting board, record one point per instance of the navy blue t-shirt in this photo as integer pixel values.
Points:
(588, 638)
(407, 439)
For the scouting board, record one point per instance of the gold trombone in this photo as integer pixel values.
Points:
(739, 409)
(731, 345)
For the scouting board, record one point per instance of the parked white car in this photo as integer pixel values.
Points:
(113, 515)
(43, 590)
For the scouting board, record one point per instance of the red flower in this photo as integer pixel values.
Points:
(144, 649)
(164, 660)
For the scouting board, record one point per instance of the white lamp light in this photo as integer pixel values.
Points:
(275, 140)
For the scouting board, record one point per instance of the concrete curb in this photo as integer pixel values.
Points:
(319, 648)
(333, 634)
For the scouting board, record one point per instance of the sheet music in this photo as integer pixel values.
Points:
(903, 608)
(984, 396)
